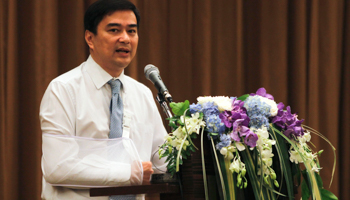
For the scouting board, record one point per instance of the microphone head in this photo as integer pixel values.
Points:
(150, 69)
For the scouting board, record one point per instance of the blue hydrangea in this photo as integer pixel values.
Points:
(257, 111)
(257, 121)
(255, 106)
(225, 141)
(210, 109)
(214, 124)
(195, 108)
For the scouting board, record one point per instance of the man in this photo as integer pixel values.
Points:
(77, 106)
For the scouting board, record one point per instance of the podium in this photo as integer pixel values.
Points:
(166, 190)
(191, 180)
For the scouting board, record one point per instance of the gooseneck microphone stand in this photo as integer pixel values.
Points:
(161, 100)
(163, 103)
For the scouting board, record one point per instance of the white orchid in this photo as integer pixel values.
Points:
(305, 138)
(178, 133)
(193, 123)
(264, 147)
(237, 165)
(240, 146)
(227, 152)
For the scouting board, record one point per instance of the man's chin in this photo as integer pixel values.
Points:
(122, 64)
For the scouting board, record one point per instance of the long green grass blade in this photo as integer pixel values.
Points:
(230, 181)
(203, 168)
(283, 155)
(219, 170)
(189, 137)
(333, 148)
(179, 154)
(225, 174)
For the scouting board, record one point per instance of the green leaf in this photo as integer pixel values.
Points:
(169, 158)
(179, 108)
(305, 190)
(243, 97)
(172, 122)
(319, 180)
(201, 115)
(327, 195)
(191, 149)
(304, 173)
(180, 122)
(296, 173)
(165, 154)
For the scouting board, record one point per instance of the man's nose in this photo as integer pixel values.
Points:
(124, 37)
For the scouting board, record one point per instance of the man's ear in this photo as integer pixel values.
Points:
(89, 36)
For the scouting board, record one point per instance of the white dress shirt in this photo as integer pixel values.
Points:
(77, 104)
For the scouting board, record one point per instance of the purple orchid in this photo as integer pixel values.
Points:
(239, 132)
(250, 139)
(280, 119)
(288, 121)
(234, 135)
(227, 118)
(280, 106)
(236, 128)
(262, 92)
(237, 106)
(294, 130)
(238, 120)
(230, 117)
(237, 112)
(243, 131)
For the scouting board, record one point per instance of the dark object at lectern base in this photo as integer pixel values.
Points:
(163, 178)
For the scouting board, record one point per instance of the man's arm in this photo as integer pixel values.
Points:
(63, 161)
(158, 139)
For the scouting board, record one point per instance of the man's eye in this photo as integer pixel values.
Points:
(132, 31)
(113, 30)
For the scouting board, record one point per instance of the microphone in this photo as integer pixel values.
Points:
(152, 74)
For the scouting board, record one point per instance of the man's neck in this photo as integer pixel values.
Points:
(111, 70)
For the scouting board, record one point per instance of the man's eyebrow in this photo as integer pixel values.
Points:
(118, 24)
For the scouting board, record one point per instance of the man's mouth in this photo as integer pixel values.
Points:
(122, 51)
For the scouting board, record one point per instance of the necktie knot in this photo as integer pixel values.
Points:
(115, 85)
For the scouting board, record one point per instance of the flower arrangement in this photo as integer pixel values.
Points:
(256, 144)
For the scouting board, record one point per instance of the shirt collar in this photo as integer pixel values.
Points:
(99, 76)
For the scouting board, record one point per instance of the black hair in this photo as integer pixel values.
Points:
(98, 10)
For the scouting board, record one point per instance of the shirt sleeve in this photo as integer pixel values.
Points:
(77, 162)
(158, 139)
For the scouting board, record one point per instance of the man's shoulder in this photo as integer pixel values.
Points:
(137, 85)
(71, 76)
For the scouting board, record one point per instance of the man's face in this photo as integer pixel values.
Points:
(115, 43)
